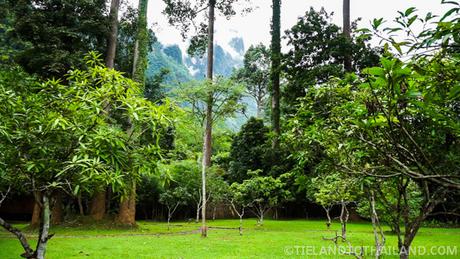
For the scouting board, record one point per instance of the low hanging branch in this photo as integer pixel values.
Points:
(28, 252)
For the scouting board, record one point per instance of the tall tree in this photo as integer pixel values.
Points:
(141, 44)
(113, 34)
(275, 72)
(316, 53)
(56, 34)
(183, 14)
(207, 144)
(98, 208)
(347, 33)
(255, 74)
(127, 210)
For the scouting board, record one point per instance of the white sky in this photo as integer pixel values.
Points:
(255, 26)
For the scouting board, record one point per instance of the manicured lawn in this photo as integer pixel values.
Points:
(276, 239)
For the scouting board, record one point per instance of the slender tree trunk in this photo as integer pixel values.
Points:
(140, 46)
(275, 73)
(97, 210)
(378, 232)
(80, 205)
(241, 223)
(344, 214)
(169, 217)
(44, 228)
(214, 213)
(35, 222)
(328, 215)
(127, 210)
(112, 39)
(57, 210)
(198, 210)
(207, 145)
(347, 33)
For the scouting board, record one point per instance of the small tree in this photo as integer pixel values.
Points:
(60, 137)
(173, 198)
(238, 202)
(264, 192)
(335, 189)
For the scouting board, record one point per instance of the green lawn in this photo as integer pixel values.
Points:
(276, 239)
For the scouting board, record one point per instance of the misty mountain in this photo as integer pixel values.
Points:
(183, 68)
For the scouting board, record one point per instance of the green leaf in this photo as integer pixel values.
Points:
(409, 11)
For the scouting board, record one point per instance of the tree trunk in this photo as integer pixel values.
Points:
(109, 194)
(198, 209)
(28, 251)
(343, 220)
(347, 34)
(169, 218)
(404, 252)
(140, 46)
(57, 211)
(241, 224)
(260, 105)
(127, 210)
(328, 215)
(44, 228)
(80, 205)
(275, 73)
(97, 210)
(379, 236)
(35, 222)
(207, 145)
(112, 39)
(261, 221)
(214, 213)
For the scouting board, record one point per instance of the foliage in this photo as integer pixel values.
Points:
(317, 49)
(255, 74)
(55, 35)
(225, 96)
(127, 29)
(248, 150)
(81, 130)
(398, 125)
(261, 192)
(334, 188)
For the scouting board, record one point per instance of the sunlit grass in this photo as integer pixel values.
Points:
(275, 239)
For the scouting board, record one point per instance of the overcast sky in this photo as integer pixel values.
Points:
(255, 26)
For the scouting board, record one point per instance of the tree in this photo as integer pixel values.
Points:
(56, 35)
(141, 44)
(335, 189)
(173, 198)
(238, 202)
(347, 34)
(262, 193)
(275, 70)
(183, 13)
(127, 35)
(248, 150)
(255, 74)
(112, 39)
(59, 136)
(316, 54)
(397, 126)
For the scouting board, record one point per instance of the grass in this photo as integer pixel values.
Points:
(276, 239)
